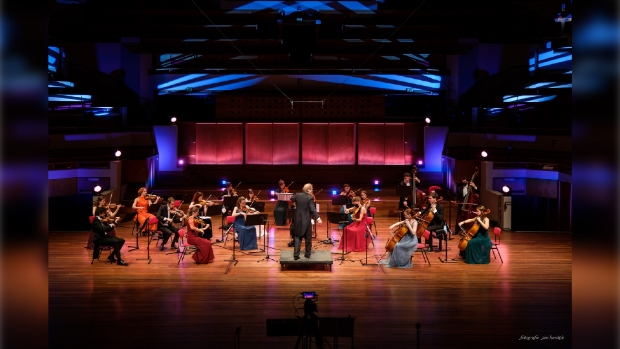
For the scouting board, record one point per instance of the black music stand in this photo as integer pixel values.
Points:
(366, 235)
(227, 201)
(215, 210)
(447, 195)
(260, 220)
(140, 228)
(258, 206)
(448, 231)
(336, 201)
(340, 219)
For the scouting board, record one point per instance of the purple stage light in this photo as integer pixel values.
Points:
(484, 154)
(181, 162)
(420, 162)
(376, 182)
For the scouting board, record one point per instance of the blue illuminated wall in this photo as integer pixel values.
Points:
(166, 141)
(434, 141)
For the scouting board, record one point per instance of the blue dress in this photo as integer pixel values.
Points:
(246, 235)
(479, 248)
(400, 257)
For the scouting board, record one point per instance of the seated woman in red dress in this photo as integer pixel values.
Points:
(353, 235)
(141, 205)
(204, 254)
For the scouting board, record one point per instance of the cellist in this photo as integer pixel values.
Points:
(479, 247)
(400, 256)
(437, 223)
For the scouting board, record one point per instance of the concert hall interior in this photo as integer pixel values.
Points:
(472, 100)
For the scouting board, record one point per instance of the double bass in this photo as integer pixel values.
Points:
(469, 200)
(420, 196)
(471, 231)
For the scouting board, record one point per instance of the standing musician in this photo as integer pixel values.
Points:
(461, 192)
(165, 215)
(404, 201)
(245, 234)
(306, 210)
(141, 205)
(102, 238)
(194, 231)
(279, 212)
(400, 256)
(437, 222)
(101, 202)
(478, 249)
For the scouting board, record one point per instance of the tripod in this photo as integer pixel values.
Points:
(309, 327)
(372, 238)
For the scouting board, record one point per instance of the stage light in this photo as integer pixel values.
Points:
(223, 182)
(427, 120)
(173, 120)
(273, 193)
(506, 190)
(118, 154)
(97, 189)
(420, 162)
(181, 162)
(333, 192)
(376, 182)
(484, 154)
(376, 189)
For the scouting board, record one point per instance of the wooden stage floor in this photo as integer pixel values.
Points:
(162, 305)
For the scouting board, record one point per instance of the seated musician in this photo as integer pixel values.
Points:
(246, 234)
(478, 249)
(365, 199)
(198, 201)
(252, 196)
(141, 205)
(102, 238)
(436, 226)
(165, 215)
(400, 256)
(355, 239)
(195, 231)
(279, 212)
(350, 194)
(101, 202)
(228, 192)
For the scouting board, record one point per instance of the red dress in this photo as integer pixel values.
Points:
(354, 236)
(204, 254)
(143, 213)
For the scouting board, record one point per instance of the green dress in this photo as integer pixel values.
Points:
(479, 248)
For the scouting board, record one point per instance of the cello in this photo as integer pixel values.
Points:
(424, 220)
(471, 231)
(396, 237)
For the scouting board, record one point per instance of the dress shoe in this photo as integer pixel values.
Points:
(121, 262)
(111, 258)
(161, 248)
(174, 246)
(291, 244)
(307, 255)
(296, 257)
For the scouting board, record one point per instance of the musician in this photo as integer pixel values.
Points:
(437, 224)
(228, 191)
(404, 202)
(461, 192)
(365, 200)
(205, 249)
(202, 204)
(346, 190)
(478, 249)
(306, 210)
(245, 234)
(165, 216)
(279, 212)
(141, 205)
(102, 238)
(355, 240)
(252, 196)
(101, 202)
(400, 257)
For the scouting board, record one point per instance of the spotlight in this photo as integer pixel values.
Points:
(97, 189)
(333, 192)
(376, 182)
(223, 182)
(118, 154)
(484, 154)
(427, 120)
(173, 120)
(506, 190)
(181, 162)
(420, 162)
(273, 193)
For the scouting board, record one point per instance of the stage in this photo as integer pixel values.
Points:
(163, 304)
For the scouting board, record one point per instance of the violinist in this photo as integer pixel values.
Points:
(279, 212)
(141, 205)
(103, 238)
(350, 194)
(228, 191)
(204, 254)
(355, 240)
(165, 216)
(101, 202)
(462, 192)
(400, 256)
(479, 247)
(197, 200)
(252, 196)
(246, 234)
(404, 202)
(437, 224)
(365, 199)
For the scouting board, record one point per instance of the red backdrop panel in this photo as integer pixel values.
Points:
(370, 144)
(285, 144)
(258, 145)
(394, 144)
(205, 146)
(229, 139)
(315, 142)
(341, 144)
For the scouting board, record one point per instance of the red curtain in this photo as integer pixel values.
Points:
(272, 144)
(381, 144)
(315, 141)
(220, 144)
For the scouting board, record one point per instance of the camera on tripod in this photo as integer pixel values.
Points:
(309, 304)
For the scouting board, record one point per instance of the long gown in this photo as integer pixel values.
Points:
(246, 235)
(354, 236)
(143, 213)
(204, 254)
(400, 257)
(479, 248)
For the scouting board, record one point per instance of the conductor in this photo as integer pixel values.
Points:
(306, 210)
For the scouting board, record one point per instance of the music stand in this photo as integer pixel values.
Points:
(446, 260)
(336, 201)
(258, 206)
(447, 195)
(140, 228)
(340, 219)
(366, 235)
(227, 201)
(215, 210)
(260, 220)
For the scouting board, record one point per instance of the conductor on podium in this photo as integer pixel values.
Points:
(306, 210)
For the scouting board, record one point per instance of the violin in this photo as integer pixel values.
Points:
(249, 209)
(285, 190)
(234, 191)
(109, 220)
(471, 231)
(313, 194)
(112, 206)
(152, 197)
(366, 202)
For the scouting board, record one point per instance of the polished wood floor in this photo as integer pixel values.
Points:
(162, 305)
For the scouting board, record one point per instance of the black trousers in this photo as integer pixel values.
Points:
(167, 231)
(440, 235)
(116, 243)
(308, 237)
